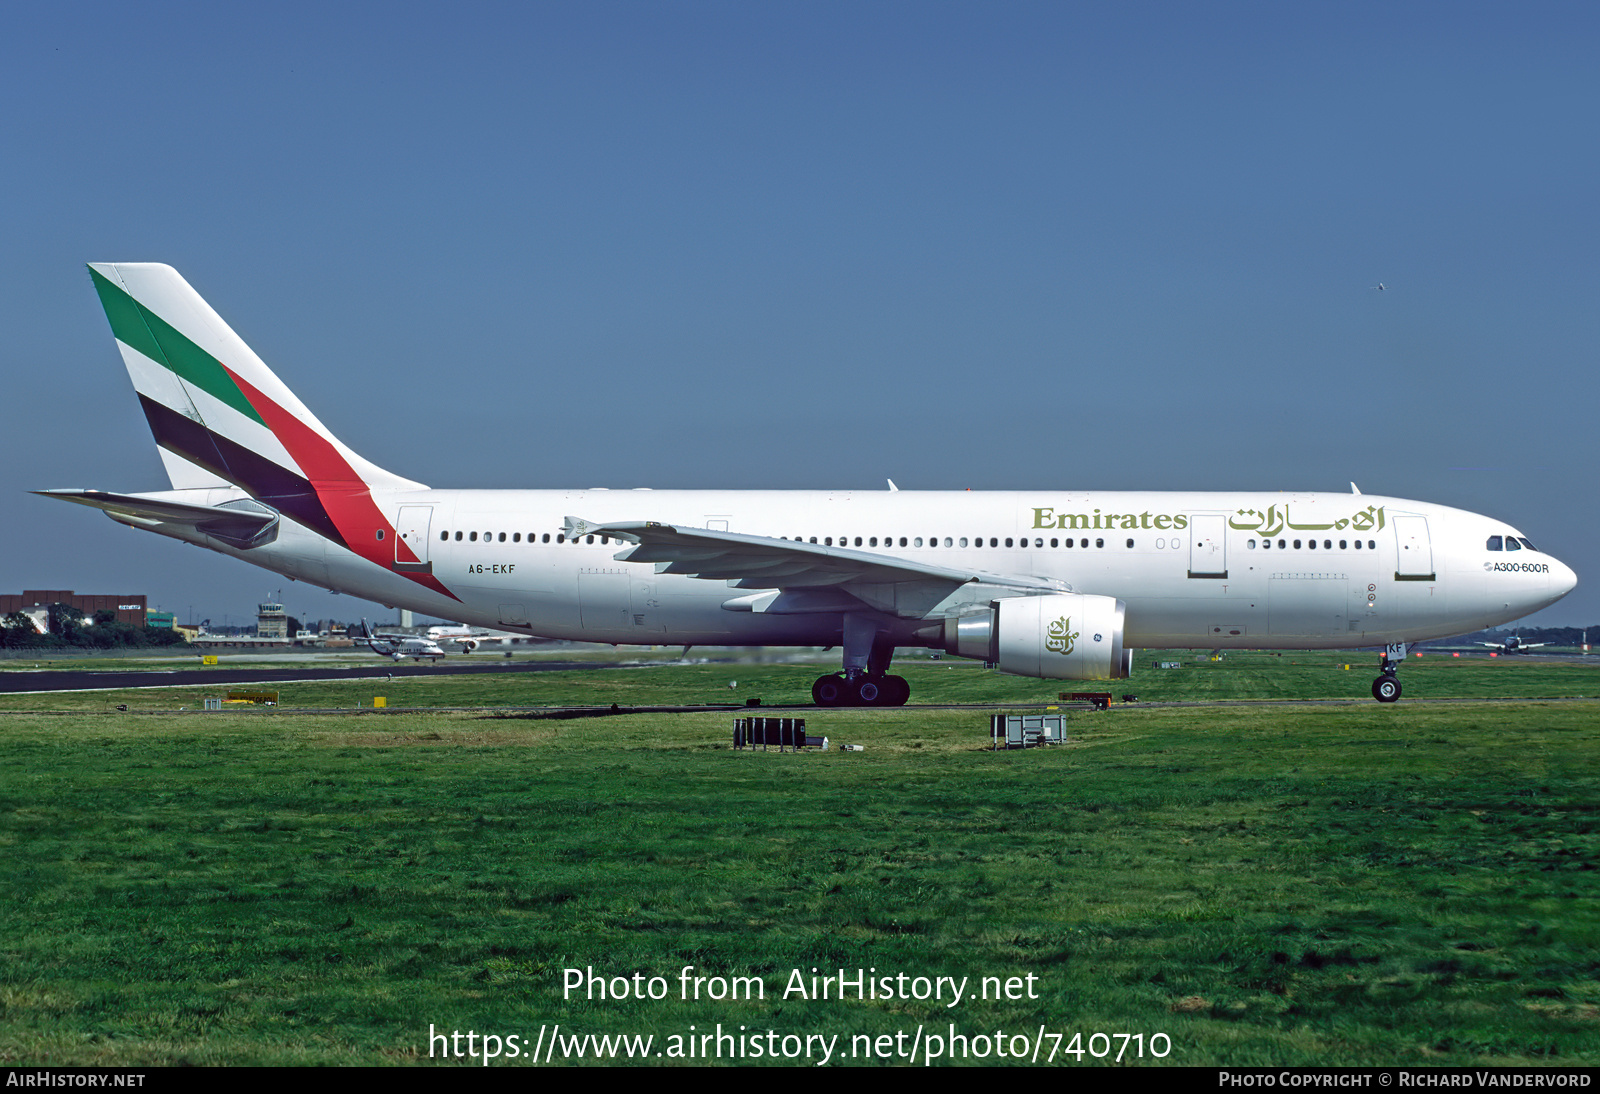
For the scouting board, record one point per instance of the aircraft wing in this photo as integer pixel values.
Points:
(801, 578)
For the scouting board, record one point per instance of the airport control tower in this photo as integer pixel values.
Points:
(272, 622)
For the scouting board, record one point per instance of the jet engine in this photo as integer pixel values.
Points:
(1062, 636)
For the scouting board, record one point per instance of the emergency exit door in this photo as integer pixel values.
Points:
(1208, 545)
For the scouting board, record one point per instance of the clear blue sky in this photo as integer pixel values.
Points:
(794, 245)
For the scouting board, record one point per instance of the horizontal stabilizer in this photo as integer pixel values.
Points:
(244, 523)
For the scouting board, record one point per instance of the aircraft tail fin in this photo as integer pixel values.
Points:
(218, 412)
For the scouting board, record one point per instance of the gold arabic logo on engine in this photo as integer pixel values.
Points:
(1059, 636)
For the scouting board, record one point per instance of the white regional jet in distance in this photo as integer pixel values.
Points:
(1060, 584)
(398, 646)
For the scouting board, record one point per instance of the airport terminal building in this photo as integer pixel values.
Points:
(129, 607)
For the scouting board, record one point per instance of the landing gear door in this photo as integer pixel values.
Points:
(1208, 545)
(1413, 550)
(411, 539)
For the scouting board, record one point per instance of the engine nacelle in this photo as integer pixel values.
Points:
(1062, 636)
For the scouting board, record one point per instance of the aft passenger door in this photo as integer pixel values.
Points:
(411, 527)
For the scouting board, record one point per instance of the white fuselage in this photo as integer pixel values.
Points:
(1230, 570)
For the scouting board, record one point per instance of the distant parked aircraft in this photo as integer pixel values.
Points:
(470, 638)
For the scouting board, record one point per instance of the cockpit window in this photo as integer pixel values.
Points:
(1494, 544)
(1527, 544)
(1512, 544)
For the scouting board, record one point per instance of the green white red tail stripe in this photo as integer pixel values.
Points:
(212, 402)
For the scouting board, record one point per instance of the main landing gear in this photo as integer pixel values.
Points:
(840, 690)
(1386, 688)
(865, 681)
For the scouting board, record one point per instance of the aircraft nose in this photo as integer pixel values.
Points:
(1562, 579)
(1559, 581)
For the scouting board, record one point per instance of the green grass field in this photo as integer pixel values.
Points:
(1238, 676)
(1272, 885)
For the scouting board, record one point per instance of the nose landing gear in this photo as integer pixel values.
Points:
(1386, 688)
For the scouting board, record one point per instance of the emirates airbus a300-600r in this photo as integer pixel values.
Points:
(1060, 584)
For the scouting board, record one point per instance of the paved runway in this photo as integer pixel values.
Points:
(68, 680)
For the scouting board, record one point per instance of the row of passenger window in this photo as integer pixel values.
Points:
(950, 541)
(516, 537)
(827, 541)
(1495, 543)
(1311, 544)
